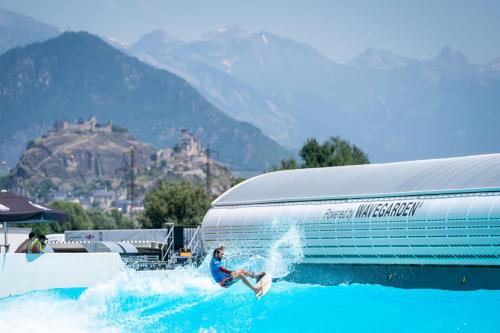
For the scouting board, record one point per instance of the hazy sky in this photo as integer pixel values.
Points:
(339, 29)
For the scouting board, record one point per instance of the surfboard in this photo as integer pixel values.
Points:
(265, 283)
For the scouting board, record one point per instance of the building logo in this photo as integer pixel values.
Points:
(373, 210)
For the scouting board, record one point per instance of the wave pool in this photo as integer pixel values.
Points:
(187, 300)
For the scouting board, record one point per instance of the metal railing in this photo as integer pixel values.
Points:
(197, 242)
(170, 240)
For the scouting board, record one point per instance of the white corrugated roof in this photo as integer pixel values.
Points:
(447, 175)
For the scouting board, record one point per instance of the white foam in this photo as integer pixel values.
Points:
(284, 252)
(46, 312)
(172, 283)
(156, 294)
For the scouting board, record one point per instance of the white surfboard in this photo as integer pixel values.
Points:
(265, 283)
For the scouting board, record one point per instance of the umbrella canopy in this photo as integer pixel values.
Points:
(16, 208)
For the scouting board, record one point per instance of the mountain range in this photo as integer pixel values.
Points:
(393, 107)
(77, 75)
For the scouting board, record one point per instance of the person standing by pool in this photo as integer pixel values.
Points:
(38, 245)
(226, 277)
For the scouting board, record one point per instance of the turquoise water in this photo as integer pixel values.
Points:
(187, 300)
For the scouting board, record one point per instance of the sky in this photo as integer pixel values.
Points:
(338, 29)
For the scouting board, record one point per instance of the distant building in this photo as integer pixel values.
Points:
(126, 207)
(102, 199)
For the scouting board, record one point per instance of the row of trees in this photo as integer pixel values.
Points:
(80, 218)
(181, 203)
(184, 203)
(333, 152)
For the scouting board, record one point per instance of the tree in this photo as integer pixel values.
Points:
(181, 203)
(336, 151)
(78, 218)
(333, 152)
(287, 164)
(313, 154)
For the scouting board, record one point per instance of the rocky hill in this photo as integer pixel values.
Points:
(78, 159)
(190, 161)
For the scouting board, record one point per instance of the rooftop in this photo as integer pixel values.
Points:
(478, 173)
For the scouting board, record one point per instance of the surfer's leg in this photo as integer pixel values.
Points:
(256, 276)
(245, 273)
(240, 275)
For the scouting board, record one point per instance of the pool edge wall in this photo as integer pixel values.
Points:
(446, 277)
(21, 273)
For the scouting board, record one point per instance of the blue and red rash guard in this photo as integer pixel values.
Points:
(219, 273)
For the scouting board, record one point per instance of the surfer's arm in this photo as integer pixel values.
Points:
(227, 271)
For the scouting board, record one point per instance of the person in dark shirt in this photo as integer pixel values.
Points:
(226, 277)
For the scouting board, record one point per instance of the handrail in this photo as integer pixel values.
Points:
(196, 247)
(194, 237)
(164, 254)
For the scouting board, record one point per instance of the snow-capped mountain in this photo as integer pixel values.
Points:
(452, 58)
(492, 67)
(393, 107)
(156, 42)
(236, 98)
(380, 60)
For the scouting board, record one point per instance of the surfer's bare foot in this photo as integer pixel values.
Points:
(259, 276)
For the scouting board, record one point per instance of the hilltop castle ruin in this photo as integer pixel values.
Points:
(83, 126)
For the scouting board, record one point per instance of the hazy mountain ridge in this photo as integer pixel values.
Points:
(393, 107)
(235, 98)
(78, 75)
(19, 30)
(373, 58)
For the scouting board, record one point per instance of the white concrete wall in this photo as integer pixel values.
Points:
(15, 237)
(21, 273)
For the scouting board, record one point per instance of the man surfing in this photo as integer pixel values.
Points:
(227, 278)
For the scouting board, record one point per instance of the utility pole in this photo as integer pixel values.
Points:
(132, 180)
(208, 170)
(208, 151)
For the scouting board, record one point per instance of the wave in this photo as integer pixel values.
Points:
(187, 300)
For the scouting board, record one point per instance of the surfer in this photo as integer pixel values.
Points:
(226, 277)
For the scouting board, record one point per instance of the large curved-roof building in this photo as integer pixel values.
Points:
(429, 223)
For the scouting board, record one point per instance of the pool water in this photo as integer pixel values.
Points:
(187, 300)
